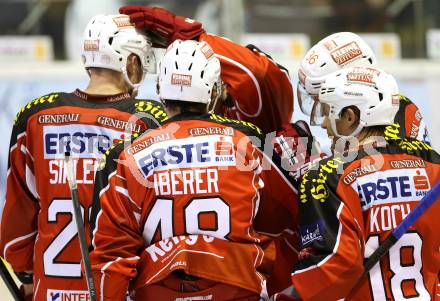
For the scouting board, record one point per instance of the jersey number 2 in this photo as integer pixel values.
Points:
(66, 235)
(401, 272)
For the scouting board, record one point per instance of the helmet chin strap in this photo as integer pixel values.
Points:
(353, 134)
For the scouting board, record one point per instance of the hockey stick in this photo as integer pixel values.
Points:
(71, 178)
(427, 201)
(9, 282)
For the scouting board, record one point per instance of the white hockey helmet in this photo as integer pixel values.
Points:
(333, 53)
(108, 40)
(188, 72)
(373, 91)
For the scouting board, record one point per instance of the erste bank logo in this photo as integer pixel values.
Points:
(83, 141)
(392, 186)
(192, 152)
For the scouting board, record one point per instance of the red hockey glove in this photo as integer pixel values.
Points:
(165, 26)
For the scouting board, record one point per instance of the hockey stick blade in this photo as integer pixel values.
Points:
(9, 282)
(71, 178)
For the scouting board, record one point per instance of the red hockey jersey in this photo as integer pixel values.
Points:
(262, 91)
(185, 196)
(345, 216)
(38, 232)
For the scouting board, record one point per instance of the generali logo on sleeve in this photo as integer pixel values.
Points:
(91, 45)
(122, 21)
(346, 53)
(181, 79)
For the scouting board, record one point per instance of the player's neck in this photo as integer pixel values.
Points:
(106, 84)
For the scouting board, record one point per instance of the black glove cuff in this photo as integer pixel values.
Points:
(25, 278)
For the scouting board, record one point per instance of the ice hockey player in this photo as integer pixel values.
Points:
(354, 199)
(178, 206)
(343, 50)
(38, 233)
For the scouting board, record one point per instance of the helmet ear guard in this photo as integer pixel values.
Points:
(108, 40)
(373, 91)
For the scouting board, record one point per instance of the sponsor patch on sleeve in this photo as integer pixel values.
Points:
(311, 232)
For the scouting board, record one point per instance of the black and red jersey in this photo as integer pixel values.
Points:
(409, 122)
(195, 195)
(38, 232)
(347, 209)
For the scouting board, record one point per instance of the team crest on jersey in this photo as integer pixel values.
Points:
(82, 141)
(392, 186)
(193, 152)
(63, 295)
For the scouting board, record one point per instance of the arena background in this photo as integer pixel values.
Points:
(40, 46)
